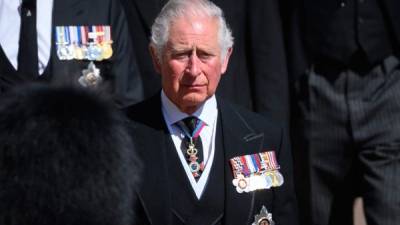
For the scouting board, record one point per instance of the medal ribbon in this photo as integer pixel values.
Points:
(250, 165)
(107, 34)
(100, 34)
(79, 36)
(237, 166)
(85, 38)
(72, 34)
(92, 34)
(198, 166)
(66, 33)
(268, 161)
(245, 168)
(58, 35)
(196, 132)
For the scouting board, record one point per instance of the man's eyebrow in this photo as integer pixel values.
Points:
(177, 50)
(186, 49)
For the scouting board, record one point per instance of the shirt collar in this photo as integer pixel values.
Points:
(207, 112)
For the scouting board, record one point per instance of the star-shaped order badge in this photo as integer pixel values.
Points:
(255, 172)
(264, 218)
(90, 76)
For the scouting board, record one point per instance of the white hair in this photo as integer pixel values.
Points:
(194, 8)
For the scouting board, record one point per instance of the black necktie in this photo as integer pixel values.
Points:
(191, 123)
(28, 48)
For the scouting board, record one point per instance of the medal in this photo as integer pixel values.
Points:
(107, 50)
(61, 43)
(263, 218)
(62, 52)
(268, 181)
(258, 182)
(278, 179)
(93, 52)
(90, 76)
(69, 54)
(192, 152)
(99, 52)
(78, 53)
(241, 183)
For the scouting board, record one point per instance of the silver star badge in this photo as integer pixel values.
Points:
(264, 218)
(90, 76)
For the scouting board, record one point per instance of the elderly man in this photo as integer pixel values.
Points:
(206, 161)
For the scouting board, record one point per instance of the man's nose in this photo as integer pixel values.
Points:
(194, 65)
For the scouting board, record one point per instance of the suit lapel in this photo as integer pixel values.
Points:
(239, 139)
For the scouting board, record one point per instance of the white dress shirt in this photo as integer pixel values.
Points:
(207, 113)
(10, 24)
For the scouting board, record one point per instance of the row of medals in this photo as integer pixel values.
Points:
(264, 180)
(92, 43)
(92, 51)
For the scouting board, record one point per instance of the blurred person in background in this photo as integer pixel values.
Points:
(84, 43)
(66, 158)
(346, 85)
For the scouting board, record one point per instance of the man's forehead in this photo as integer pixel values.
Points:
(193, 30)
(193, 41)
(199, 23)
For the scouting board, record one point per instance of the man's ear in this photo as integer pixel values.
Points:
(156, 60)
(225, 60)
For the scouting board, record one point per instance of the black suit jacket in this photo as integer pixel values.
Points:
(257, 66)
(120, 72)
(243, 133)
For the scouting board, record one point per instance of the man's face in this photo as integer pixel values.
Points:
(191, 64)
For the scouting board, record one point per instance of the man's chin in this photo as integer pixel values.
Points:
(193, 100)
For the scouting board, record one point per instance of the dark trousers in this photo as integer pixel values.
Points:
(347, 142)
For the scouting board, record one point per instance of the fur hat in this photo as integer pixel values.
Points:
(65, 159)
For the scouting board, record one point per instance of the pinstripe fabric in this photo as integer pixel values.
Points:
(348, 141)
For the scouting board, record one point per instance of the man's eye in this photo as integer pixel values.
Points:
(205, 56)
(180, 56)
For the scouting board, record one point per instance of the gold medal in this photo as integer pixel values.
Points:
(274, 179)
(106, 50)
(78, 53)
